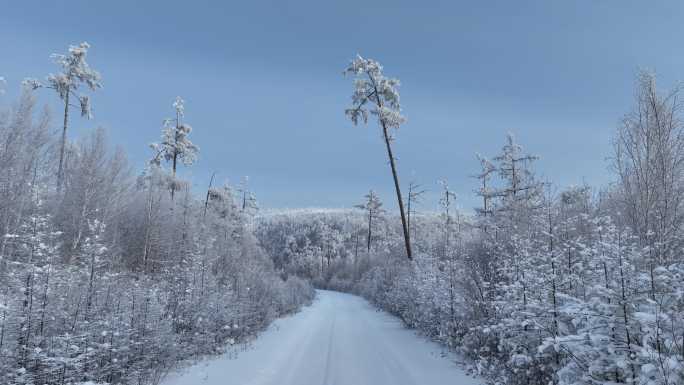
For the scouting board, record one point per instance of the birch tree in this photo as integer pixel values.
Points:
(648, 157)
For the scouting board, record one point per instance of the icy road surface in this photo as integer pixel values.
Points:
(339, 340)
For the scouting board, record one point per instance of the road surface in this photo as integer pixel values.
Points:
(339, 340)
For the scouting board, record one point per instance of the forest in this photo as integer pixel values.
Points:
(114, 275)
(543, 284)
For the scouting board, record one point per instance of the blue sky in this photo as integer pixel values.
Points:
(265, 93)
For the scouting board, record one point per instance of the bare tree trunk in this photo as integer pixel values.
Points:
(554, 289)
(173, 182)
(407, 239)
(60, 170)
(91, 285)
(447, 225)
(24, 339)
(4, 320)
(148, 228)
(628, 338)
(206, 201)
(82, 218)
(370, 226)
(408, 207)
(400, 201)
(175, 154)
(45, 299)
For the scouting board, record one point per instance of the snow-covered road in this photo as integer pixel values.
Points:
(339, 340)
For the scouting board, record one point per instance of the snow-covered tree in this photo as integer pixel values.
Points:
(103, 282)
(415, 197)
(649, 162)
(485, 191)
(447, 201)
(514, 167)
(373, 208)
(175, 145)
(74, 73)
(249, 203)
(378, 95)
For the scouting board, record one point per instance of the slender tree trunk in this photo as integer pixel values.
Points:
(2, 327)
(206, 201)
(447, 225)
(628, 338)
(45, 300)
(60, 170)
(408, 208)
(175, 154)
(81, 218)
(400, 200)
(202, 279)
(553, 283)
(25, 325)
(173, 182)
(91, 285)
(148, 229)
(484, 197)
(404, 224)
(370, 226)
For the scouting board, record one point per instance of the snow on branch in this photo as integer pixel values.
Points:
(371, 87)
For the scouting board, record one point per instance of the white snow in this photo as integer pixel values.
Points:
(340, 339)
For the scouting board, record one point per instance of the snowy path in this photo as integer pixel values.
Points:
(339, 340)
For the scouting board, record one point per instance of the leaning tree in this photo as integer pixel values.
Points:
(378, 95)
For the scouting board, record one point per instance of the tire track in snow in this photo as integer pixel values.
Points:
(326, 379)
